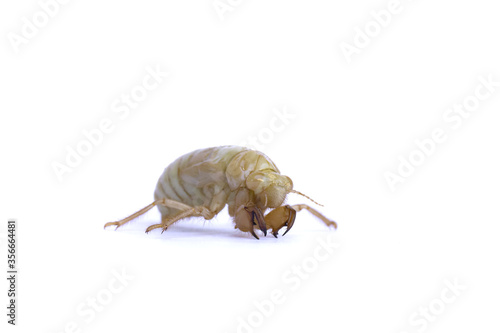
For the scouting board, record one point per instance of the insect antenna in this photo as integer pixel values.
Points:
(302, 194)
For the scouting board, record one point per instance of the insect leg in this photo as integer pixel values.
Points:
(131, 217)
(192, 211)
(313, 211)
(280, 217)
(165, 202)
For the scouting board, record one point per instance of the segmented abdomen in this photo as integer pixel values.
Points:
(206, 177)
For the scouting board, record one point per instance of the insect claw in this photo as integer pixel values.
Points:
(333, 224)
(260, 221)
(256, 215)
(110, 224)
(275, 234)
(253, 234)
(291, 219)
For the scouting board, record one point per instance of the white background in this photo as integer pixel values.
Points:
(352, 120)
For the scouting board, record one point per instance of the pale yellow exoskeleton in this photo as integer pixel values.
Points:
(202, 182)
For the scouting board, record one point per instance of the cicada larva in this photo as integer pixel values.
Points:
(202, 182)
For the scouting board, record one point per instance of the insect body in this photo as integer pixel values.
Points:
(202, 182)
